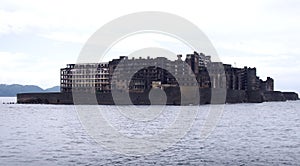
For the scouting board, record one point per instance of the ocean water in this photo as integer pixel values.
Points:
(246, 134)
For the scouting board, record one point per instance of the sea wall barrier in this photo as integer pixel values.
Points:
(174, 97)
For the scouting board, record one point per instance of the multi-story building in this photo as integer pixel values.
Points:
(138, 74)
(267, 85)
(85, 77)
(144, 73)
(241, 78)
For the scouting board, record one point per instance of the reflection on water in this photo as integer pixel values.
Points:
(266, 134)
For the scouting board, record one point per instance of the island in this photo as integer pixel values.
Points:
(170, 80)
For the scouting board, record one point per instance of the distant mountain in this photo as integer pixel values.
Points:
(12, 90)
(53, 89)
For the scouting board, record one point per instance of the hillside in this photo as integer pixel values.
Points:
(12, 90)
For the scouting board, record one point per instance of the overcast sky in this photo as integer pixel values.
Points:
(37, 38)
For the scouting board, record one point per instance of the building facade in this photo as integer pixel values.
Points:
(85, 77)
(140, 74)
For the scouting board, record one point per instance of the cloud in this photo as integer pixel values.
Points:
(16, 22)
(22, 68)
(66, 37)
(257, 33)
(136, 42)
(11, 60)
(255, 47)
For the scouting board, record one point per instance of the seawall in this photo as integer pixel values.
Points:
(291, 95)
(45, 98)
(173, 97)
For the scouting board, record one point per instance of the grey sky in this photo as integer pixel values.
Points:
(39, 37)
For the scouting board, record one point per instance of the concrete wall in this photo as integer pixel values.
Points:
(173, 97)
(254, 96)
(236, 96)
(273, 96)
(45, 98)
(290, 95)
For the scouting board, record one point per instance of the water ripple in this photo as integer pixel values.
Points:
(247, 134)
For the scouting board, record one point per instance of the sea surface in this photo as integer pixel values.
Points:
(246, 134)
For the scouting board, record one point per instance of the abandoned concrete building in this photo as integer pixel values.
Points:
(140, 74)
